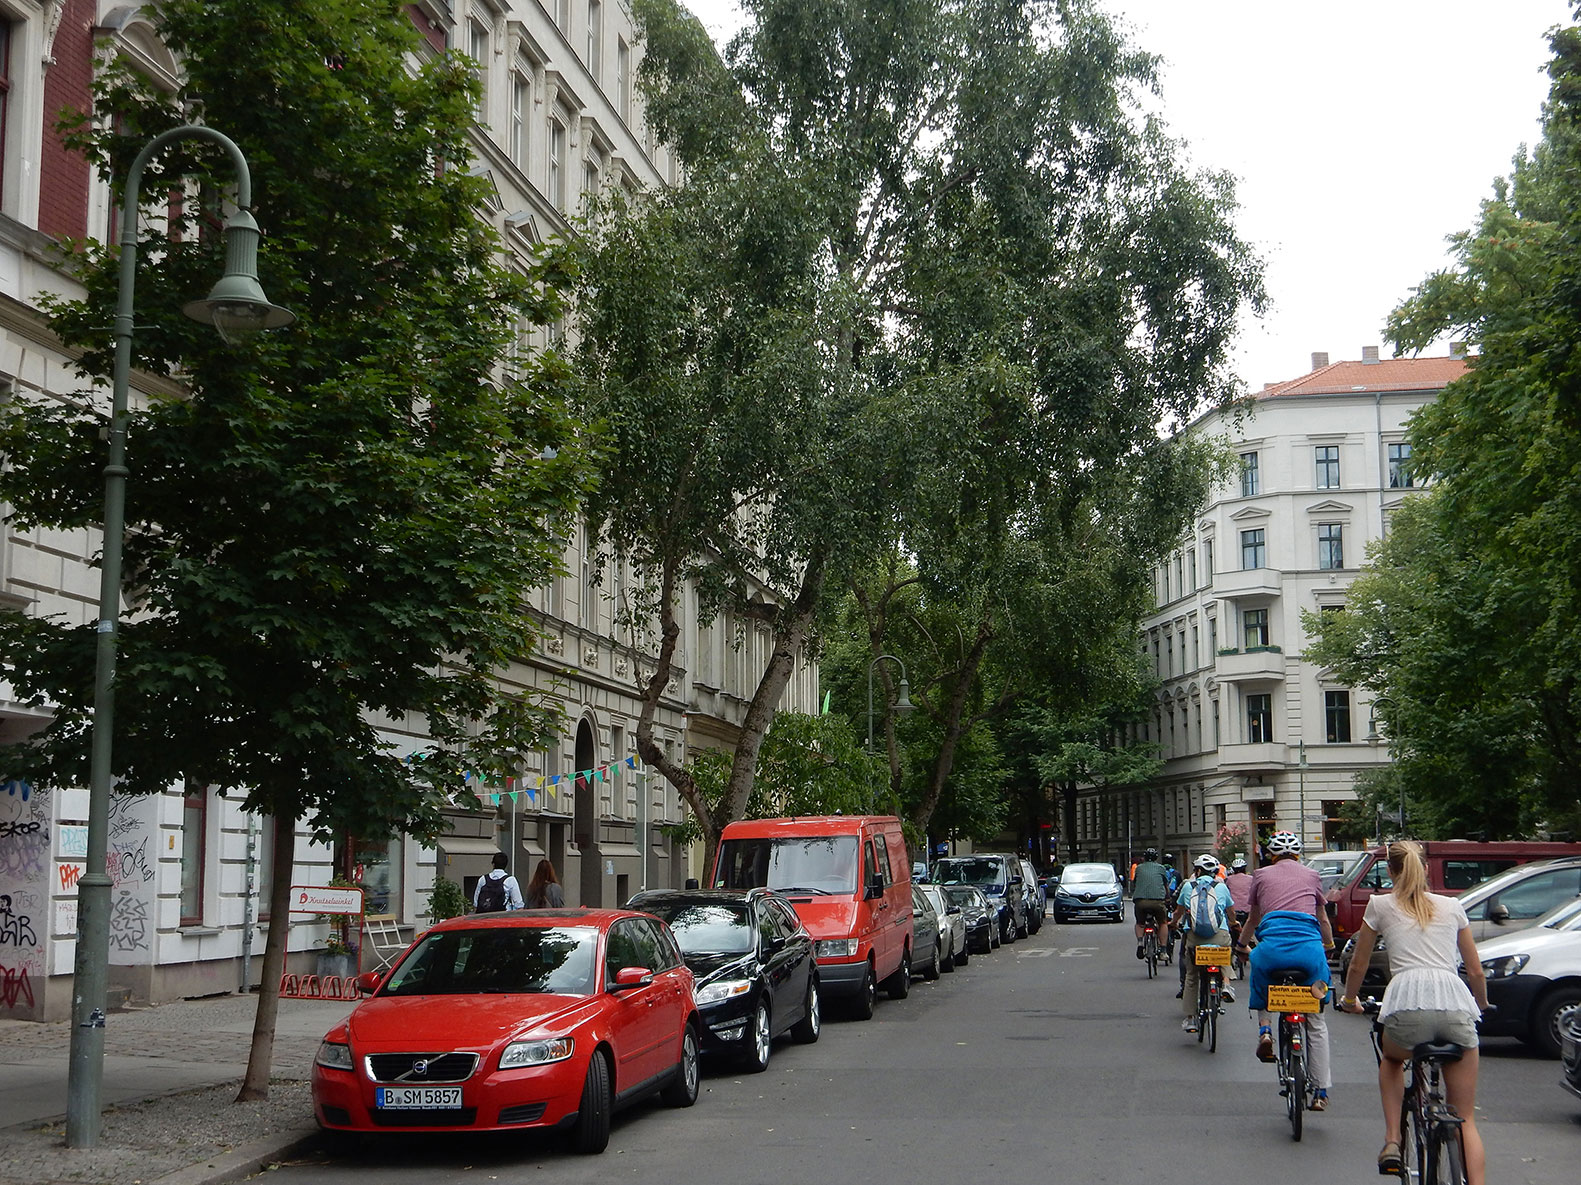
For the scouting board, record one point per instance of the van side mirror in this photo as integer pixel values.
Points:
(875, 887)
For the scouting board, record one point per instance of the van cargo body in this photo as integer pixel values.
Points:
(849, 880)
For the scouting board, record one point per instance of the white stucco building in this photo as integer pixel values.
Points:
(1251, 732)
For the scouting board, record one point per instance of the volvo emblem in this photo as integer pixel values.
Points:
(420, 1066)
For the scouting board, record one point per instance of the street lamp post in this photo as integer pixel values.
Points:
(235, 306)
(1301, 792)
(903, 702)
(1373, 738)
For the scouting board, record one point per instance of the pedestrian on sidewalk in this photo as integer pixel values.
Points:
(498, 890)
(543, 891)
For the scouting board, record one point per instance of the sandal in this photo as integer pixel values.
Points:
(1390, 1163)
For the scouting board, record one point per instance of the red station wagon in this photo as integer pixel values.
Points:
(524, 1019)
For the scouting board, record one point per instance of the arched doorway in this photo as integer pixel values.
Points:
(592, 871)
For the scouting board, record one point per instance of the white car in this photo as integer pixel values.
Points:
(1534, 979)
(952, 928)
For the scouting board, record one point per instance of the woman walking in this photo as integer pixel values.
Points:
(1428, 936)
(543, 891)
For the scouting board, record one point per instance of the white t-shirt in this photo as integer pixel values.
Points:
(1423, 960)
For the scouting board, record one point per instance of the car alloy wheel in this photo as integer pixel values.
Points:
(931, 971)
(682, 1090)
(757, 1054)
(806, 1030)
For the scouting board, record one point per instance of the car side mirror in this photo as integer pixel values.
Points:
(1499, 914)
(774, 944)
(368, 982)
(631, 977)
(953, 909)
(1016, 880)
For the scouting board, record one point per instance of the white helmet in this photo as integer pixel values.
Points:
(1238, 863)
(1206, 863)
(1284, 843)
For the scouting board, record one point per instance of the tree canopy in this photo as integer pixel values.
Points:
(334, 529)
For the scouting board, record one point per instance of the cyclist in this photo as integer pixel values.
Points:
(1239, 883)
(1286, 914)
(1428, 935)
(1149, 891)
(1220, 905)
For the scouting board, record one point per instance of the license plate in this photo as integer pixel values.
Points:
(1213, 956)
(417, 1098)
(1291, 998)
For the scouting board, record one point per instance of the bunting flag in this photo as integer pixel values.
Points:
(516, 788)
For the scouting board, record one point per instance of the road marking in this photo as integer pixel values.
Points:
(1035, 954)
(1079, 952)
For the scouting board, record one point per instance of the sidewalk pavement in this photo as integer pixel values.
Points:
(170, 1076)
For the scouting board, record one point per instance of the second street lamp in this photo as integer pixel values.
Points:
(903, 705)
(236, 306)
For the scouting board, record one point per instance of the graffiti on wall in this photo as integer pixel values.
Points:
(24, 888)
(130, 862)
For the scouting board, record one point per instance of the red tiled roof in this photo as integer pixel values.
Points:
(1387, 374)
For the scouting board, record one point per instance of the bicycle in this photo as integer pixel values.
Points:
(1432, 1149)
(1238, 958)
(1210, 961)
(1150, 949)
(1292, 999)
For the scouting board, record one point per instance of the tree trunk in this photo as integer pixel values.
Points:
(953, 715)
(1068, 792)
(260, 1058)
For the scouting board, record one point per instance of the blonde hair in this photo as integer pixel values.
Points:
(1410, 881)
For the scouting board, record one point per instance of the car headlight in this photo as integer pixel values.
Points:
(536, 1053)
(836, 948)
(334, 1055)
(712, 993)
(1504, 966)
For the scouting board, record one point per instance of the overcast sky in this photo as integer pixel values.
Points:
(1363, 133)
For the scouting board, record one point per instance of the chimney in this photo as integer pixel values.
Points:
(1369, 355)
(1457, 350)
(1319, 359)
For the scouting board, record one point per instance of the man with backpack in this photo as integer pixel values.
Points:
(498, 891)
(1202, 913)
(1149, 892)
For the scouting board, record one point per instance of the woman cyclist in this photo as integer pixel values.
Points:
(1428, 935)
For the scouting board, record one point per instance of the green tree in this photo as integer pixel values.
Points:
(932, 266)
(337, 525)
(1468, 619)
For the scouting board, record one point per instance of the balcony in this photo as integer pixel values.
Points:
(1249, 582)
(1265, 757)
(1255, 664)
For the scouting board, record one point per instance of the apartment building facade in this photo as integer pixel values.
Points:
(560, 120)
(1251, 732)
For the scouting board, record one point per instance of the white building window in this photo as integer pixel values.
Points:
(1249, 482)
(623, 79)
(1330, 546)
(478, 49)
(595, 38)
(556, 175)
(1254, 549)
(1326, 457)
(521, 110)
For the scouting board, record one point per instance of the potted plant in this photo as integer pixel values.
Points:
(338, 955)
(1231, 841)
(445, 900)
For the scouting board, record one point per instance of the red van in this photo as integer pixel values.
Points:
(1453, 866)
(850, 882)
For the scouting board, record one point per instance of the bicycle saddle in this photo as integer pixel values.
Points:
(1446, 1051)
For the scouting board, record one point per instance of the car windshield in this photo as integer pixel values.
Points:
(961, 895)
(968, 871)
(815, 864)
(1087, 874)
(1566, 916)
(935, 896)
(498, 961)
(705, 927)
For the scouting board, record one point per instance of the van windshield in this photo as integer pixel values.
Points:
(816, 864)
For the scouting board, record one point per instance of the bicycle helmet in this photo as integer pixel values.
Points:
(1238, 864)
(1150, 854)
(1284, 843)
(1206, 863)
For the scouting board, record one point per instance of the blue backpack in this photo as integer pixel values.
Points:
(1204, 908)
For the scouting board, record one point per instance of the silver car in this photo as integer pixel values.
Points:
(952, 927)
(927, 944)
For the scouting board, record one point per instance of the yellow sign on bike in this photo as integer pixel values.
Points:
(1213, 956)
(1284, 997)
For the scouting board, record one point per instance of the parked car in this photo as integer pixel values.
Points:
(1089, 891)
(849, 881)
(507, 1021)
(1511, 900)
(1534, 980)
(927, 955)
(753, 962)
(1032, 889)
(977, 915)
(952, 925)
(999, 877)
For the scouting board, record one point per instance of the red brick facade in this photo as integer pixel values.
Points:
(64, 176)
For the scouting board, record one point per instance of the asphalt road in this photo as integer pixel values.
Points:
(1054, 1058)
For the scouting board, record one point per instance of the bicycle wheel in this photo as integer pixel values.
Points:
(1296, 1092)
(1446, 1155)
(1210, 1022)
(1151, 953)
(1412, 1155)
